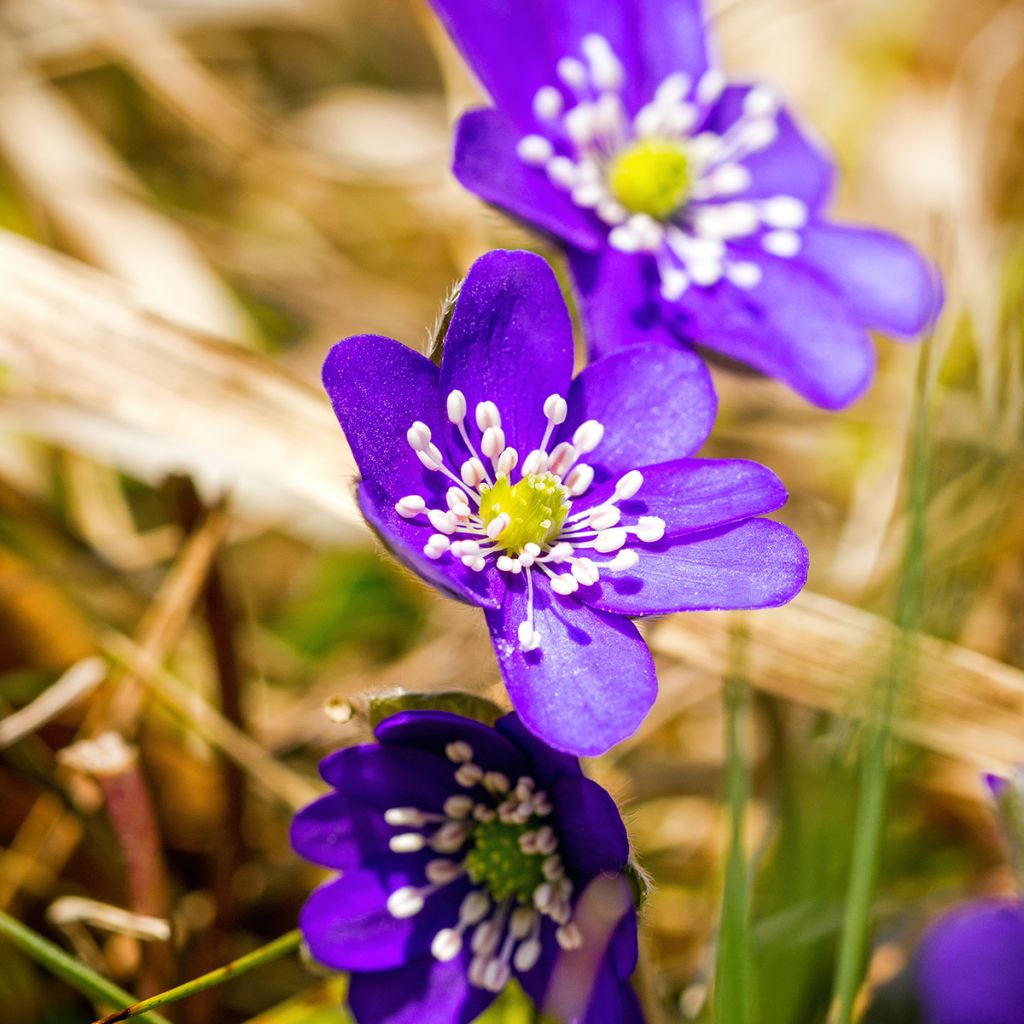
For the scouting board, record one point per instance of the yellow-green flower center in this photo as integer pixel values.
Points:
(536, 508)
(498, 862)
(652, 176)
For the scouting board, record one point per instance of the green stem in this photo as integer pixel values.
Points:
(271, 951)
(65, 967)
(734, 975)
(869, 828)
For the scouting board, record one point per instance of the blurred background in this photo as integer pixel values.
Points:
(198, 197)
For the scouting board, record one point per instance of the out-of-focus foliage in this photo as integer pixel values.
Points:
(238, 183)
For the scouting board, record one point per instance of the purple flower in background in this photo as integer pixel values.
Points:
(559, 506)
(691, 210)
(465, 851)
(970, 966)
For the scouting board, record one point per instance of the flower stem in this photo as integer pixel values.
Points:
(271, 951)
(734, 975)
(869, 828)
(66, 967)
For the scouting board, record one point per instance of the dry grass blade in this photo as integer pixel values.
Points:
(97, 372)
(961, 704)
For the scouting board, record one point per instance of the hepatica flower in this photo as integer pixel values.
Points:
(970, 967)
(559, 506)
(692, 210)
(465, 850)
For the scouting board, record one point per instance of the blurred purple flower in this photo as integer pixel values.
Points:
(464, 850)
(970, 966)
(559, 506)
(691, 210)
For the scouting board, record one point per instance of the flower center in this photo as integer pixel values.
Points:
(652, 176)
(536, 507)
(499, 861)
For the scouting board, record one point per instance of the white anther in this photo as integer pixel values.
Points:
(497, 782)
(456, 406)
(579, 480)
(439, 521)
(535, 463)
(526, 559)
(673, 89)
(611, 211)
(757, 134)
(560, 552)
(485, 939)
(507, 461)
(580, 123)
(588, 195)
(430, 457)
(710, 86)
(504, 563)
(451, 835)
(706, 272)
(624, 560)
(496, 975)
(587, 436)
(458, 806)
(472, 472)
(561, 458)
(405, 902)
(404, 816)
(569, 936)
(629, 484)
(585, 571)
(547, 841)
(556, 409)
(487, 415)
(727, 220)
(418, 436)
(455, 497)
(784, 212)
(678, 120)
(465, 548)
(529, 638)
(647, 121)
(469, 774)
(547, 103)
(650, 528)
(761, 101)
(441, 872)
(728, 179)
(497, 524)
(605, 69)
(410, 506)
(526, 956)
(534, 150)
(476, 563)
(743, 274)
(604, 517)
(522, 921)
(476, 968)
(407, 842)
(447, 945)
(474, 907)
(493, 443)
(532, 549)
(552, 868)
(562, 172)
(564, 584)
(459, 751)
(784, 244)
(610, 540)
(674, 283)
(647, 230)
(572, 72)
(543, 896)
(528, 842)
(624, 238)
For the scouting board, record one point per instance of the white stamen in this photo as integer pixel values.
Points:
(562, 172)
(418, 436)
(569, 936)
(761, 101)
(585, 571)
(547, 103)
(456, 406)
(474, 907)
(650, 528)
(555, 409)
(529, 638)
(487, 415)
(572, 72)
(496, 975)
(603, 517)
(459, 751)
(527, 955)
(579, 480)
(784, 244)
(535, 463)
(784, 212)
(405, 902)
(496, 782)
(629, 484)
(587, 436)
(458, 806)
(534, 150)
(450, 836)
(472, 472)
(404, 816)
(430, 457)
(710, 86)
(407, 842)
(605, 70)
(562, 458)
(580, 124)
(673, 89)
(440, 522)
(522, 921)
(624, 560)
(469, 775)
(743, 274)
(441, 872)
(610, 540)
(496, 525)
(564, 584)
(447, 945)
(507, 461)
(674, 283)
(493, 443)
(410, 506)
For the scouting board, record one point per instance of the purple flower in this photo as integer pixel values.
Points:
(465, 851)
(559, 506)
(970, 966)
(691, 210)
